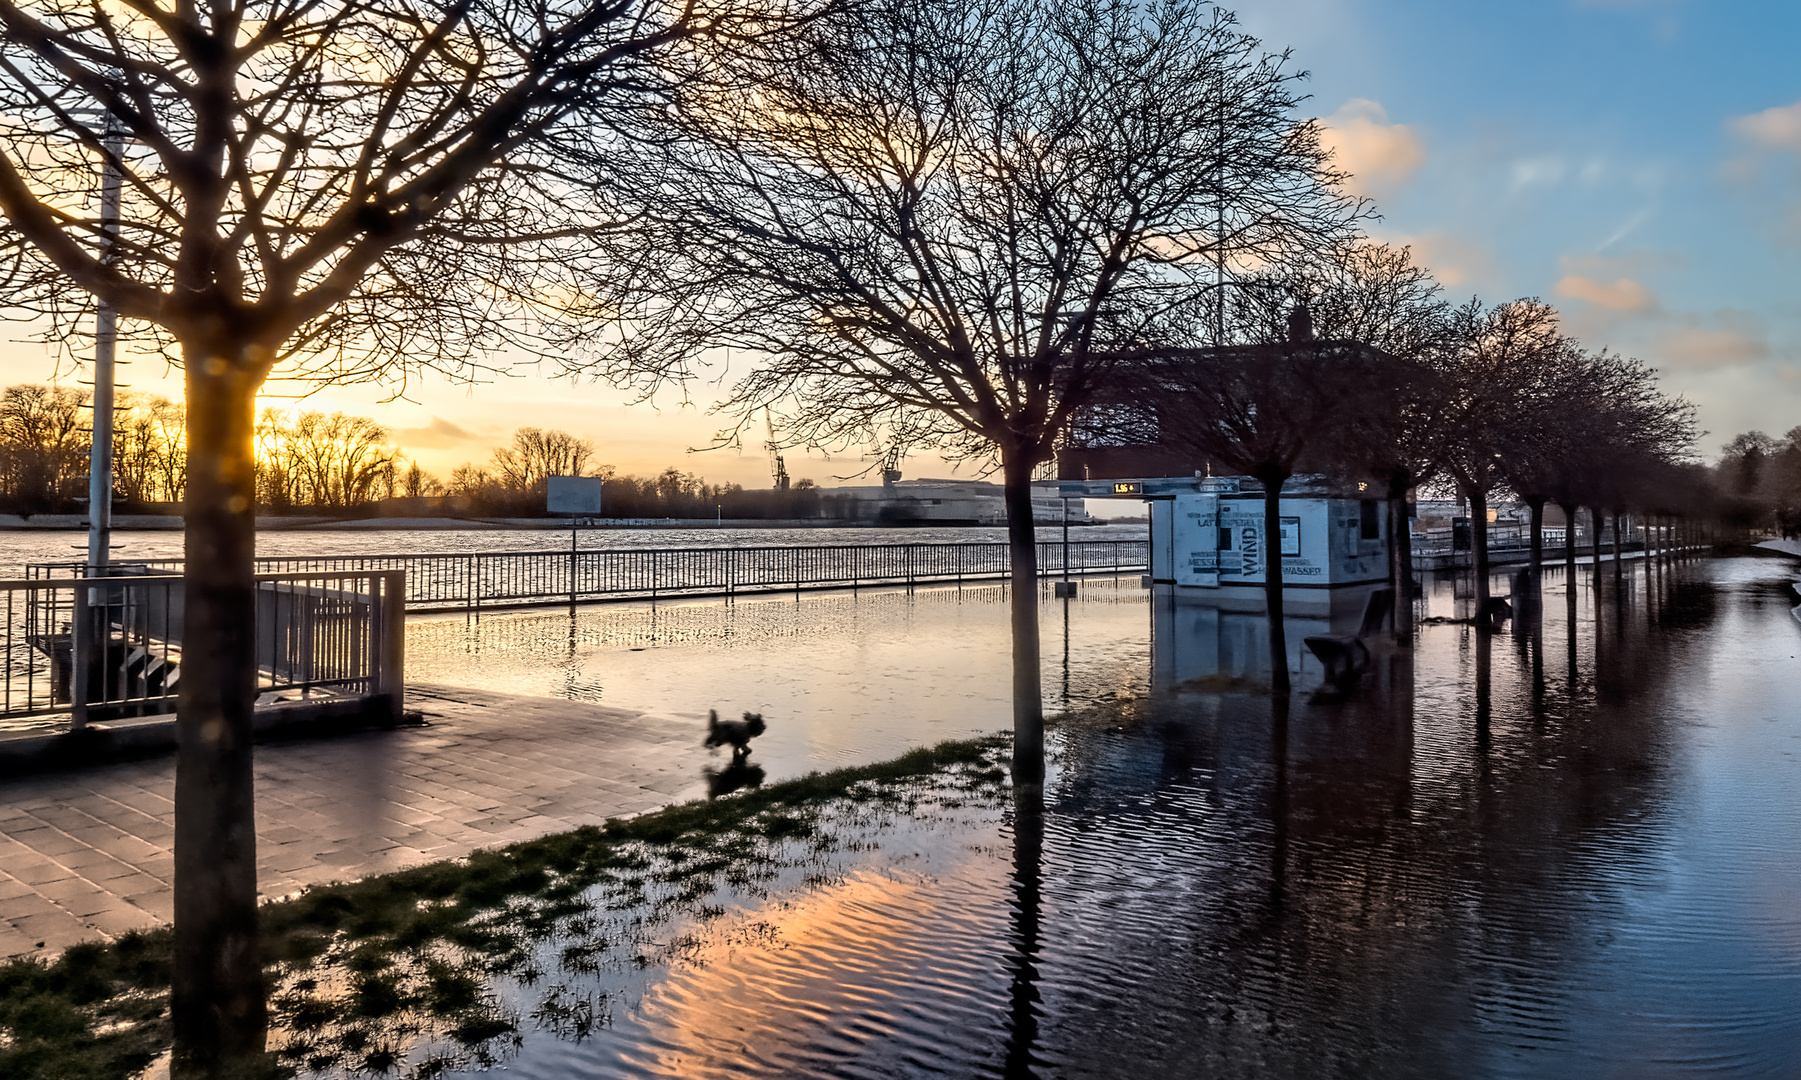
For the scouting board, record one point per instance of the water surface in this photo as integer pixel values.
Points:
(1568, 849)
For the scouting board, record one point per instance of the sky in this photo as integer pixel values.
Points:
(1635, 162)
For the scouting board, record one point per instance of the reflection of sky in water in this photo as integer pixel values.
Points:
(839, 675)
(1522, 855)
(30, 546)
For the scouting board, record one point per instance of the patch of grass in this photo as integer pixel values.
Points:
(100, 1012)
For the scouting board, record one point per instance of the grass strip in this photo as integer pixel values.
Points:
(100, 1010)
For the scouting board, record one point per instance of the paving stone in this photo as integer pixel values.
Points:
(490, 769)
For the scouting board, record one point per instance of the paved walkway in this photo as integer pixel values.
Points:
(87, 853)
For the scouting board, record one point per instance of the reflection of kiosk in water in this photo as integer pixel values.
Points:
(1209, 555)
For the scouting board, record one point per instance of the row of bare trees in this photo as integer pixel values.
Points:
(44, 441)
(1360, 368)
(310, 460)
(513, 484)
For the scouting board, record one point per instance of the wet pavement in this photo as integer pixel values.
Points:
(89, 853)
(549, 731)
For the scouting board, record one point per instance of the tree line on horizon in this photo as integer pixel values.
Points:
(315, 462)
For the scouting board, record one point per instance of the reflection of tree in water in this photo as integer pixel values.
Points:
(1233, 901)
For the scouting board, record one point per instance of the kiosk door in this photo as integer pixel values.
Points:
(1196, 540)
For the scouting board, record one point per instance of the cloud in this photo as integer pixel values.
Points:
(1454, 260)
(1380, 156)
(1621, 294)
(1777, 128)
(437, 435)
(1728, 339)
(1538, 172)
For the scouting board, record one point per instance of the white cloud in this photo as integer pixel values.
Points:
(1621, 294)
(1777, 128)
(1546, 171)
(1729, 338)
(1380, 156)
(1455, 261)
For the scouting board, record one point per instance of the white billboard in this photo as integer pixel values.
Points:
(575, 496)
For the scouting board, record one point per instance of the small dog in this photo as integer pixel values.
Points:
(737, 732)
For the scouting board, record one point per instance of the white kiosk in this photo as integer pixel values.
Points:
(1209, 555)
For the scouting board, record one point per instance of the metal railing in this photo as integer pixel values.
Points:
(1516, 538)
(103, 649)
(1500, 538)
(441, 582)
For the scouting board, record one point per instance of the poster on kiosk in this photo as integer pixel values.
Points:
(1219, 540)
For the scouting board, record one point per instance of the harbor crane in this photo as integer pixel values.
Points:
(777, 467)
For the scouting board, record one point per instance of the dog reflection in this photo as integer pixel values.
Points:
(739, 774)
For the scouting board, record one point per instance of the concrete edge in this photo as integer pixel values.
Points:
(110, 741)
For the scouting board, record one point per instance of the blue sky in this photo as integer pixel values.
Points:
(1635, 162)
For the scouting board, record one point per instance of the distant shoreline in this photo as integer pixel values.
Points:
(171, 523)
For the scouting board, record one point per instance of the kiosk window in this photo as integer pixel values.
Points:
(1369, 524)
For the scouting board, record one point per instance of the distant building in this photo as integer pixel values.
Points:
(950, 502)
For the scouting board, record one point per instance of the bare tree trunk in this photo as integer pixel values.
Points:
(1272, 583)
(1616, 545)
(217, 1001)
(1569, 546)
(1594, 515)
(1479, 546)
(1537, 504)
(1400, 558)
(1028, 694)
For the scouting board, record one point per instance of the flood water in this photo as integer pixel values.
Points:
(1571, 848)
(21, 547)
(844, 676)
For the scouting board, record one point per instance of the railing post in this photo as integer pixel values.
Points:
(81, 658)
(392, 684)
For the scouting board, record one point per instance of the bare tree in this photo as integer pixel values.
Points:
(940, 227)
(41, 445)
(1376, 295)
(1502, 359)
(1267, 411)
(332, 190)
(330, 460)
(537, 455)
(150, 449)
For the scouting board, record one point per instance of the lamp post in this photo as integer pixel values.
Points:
(106, 336)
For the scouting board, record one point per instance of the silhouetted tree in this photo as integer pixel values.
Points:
(337, 190)
(1265, 411)
(1501, 361)
(941, 226)
(537, 455)
(42, 446)
(1375, 294)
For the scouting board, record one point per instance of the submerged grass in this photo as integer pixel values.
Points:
(358, 968)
